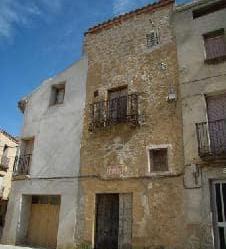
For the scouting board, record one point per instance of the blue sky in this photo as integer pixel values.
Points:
(39, 38)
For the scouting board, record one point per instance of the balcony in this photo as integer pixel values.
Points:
(22, 164)
(118, 110)
(212, 139)
(4, 164)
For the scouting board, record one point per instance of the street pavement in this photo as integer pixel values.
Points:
(14, 247)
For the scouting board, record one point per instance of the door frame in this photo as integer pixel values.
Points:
(214, 211)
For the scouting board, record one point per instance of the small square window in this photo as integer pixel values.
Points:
(96, 93)
(57, 94)
(215, 45)
(152, 39)
(158, 160)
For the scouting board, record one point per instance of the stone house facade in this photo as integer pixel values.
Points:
(201, 43)
(8, 151)
(43, 201)
(131, 175)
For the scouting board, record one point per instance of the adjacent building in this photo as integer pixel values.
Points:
(43, 201)
(8, 151)
(201, 43)
(131, 175)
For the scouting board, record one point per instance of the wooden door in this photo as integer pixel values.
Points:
(118, 104)
(107, 221)
(216, 106)
(44, 219)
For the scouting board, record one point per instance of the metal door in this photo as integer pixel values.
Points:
(107, 221)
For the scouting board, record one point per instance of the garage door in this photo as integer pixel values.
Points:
(43, 222)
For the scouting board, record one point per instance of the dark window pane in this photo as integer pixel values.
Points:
(218, 203)
(159, 160)
(221, 238)
(35, 199)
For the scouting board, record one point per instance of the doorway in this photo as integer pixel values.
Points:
(219, 211)
(43, 222)
(113, 221)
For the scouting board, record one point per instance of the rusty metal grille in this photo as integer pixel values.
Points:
(212, 139)
(121, 109)
(22, 164)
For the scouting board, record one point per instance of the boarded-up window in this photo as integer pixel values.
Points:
(158, 159)
(215, 45)
(152, 39)
(57, 94)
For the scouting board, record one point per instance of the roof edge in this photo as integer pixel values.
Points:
(119, 19)
(12, 138)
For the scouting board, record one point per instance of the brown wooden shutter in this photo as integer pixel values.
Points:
(216, 107)
(215, 45)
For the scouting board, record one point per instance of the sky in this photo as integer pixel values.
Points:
(40, 38)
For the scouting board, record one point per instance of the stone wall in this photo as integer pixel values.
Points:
(115, 159)
(11, 153)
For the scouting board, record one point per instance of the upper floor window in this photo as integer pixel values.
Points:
(152, 39)
(158, 159)
(212, 133)
(57, 94)
(118, 104)
(215, 45)
(23, 162)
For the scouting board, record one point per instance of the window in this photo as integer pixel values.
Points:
(27, 146)
(218, 202)
(5, 150)
(57, 94)
(158, 159)
(209, 9)
(215, 45)
(152, 39)
(96, 93)
(118, 104)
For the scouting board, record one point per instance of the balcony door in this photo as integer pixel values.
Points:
(216, 106)
(118, 104)
(219, 211)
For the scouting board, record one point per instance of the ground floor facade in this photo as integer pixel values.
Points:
(42, 213)
(205, 210)
(136, 213)
(132, 213)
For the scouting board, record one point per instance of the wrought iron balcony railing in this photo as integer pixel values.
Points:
(22, 164)
(4, 164)
(122, 109)
(212, 139)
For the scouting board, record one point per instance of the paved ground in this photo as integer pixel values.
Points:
(14, 247)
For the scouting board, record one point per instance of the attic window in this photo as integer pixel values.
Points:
(209, 9)
(57, 94)
(152, 39)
